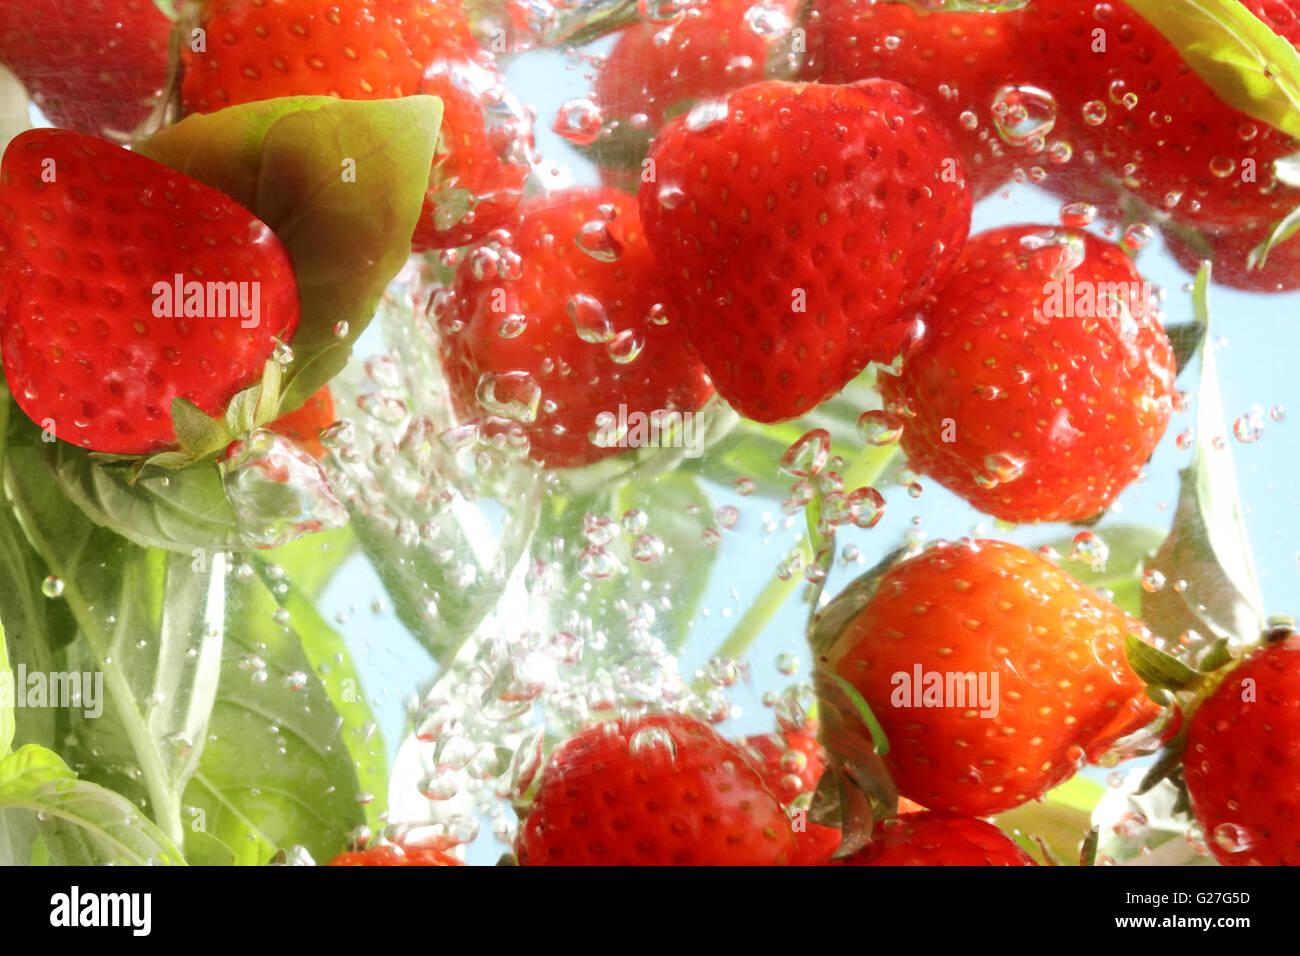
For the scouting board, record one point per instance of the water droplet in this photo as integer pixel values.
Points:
(969, 119)
(52, 586)
(808, 454)
(513, 395)
(1091, 549)
(653, 743)
(1094, 112)
(579, 121)
(868, 507)
(1023, 115)
(589, 318)
(788, 664)
(595, 239)
(745, 486)
(648, 549)
(1076, 215)
(1233, 838)
(341, 329)
(1136, 236)
(1152, 581)
(634, 521)
(625, 347)
(1248, 428)
(879, 427)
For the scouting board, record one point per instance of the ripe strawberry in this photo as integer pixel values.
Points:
(1044, 379)
(797, 231)
(657, 71)
(91, 234)
(1242, 760)
(1229, 251)
(373, 50)
(1154, 123)
(304, 425)
(1064, 691)
(790, 763)
(94, 66)
(939, 839)
(569, 334)
(962, 62)
(659, 790)
(394, 854)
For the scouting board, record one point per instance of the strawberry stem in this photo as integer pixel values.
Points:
(864, 470)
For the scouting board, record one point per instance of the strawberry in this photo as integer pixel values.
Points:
(395, 854)
(570, 336)
(1242, 760)
(790, 763)
(374, 50)
(799, 229)
(1229, 251)
(94, 66)
(1064, 691)
(93, 334)
(657, 790)
(1044, 379)
(1155, 124)
(303, 426)
(939, 839)
(657, 70)
(962, 62)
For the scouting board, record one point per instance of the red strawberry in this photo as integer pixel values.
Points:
(93, 238)
(1229, 251)
(570, 335)
(304, 425)
(660, 790)
(94, 66)
(394, 854)
(373, 50)
(1156, 125)
(939, 839)
(1064, 691)
(1044, 379)
(799, 229)
(816, 844)
(790, 764)
(963, 62)
(658, 71)
(1242, 760)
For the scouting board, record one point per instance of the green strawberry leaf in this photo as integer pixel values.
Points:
(1057, 824)
(1157, 668)
(1210, 586)
(1129, 548)
(78, 822)
(1248, 65)
(199, 434)
(340, 181)
(1283, 230)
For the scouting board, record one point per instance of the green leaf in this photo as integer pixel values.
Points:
(1282, 230)
(1157, 668)
(7, 726)
(341, 182)
(79, 823)
(151, 636)
(1207, 547)
(1248, 65)
(1129, 548)
(863, 710)
(332, 664)
(1060, 820)
(199, 434)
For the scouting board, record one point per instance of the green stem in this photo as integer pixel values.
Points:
(864, 471)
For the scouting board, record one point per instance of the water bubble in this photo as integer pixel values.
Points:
(579, 121)
(595, 240)
(722, 671)
(1152, 581)
(442, 784)
(512, 326)
(1233, 837)
(634, 521)
(295, 680)
(1060, 152)
(868, 507)
(745, 486)
(282, 353)
(341, 329)
(513, 395)
(1136, 236)
(1078, 214)
(589, 318)
(671, 195)
(808, 454)
(1091, 549)
(1248, 428)
(767, 19)
(648, 549)
(880, 428)
(662, 13)
(1185, 439)
(727, 516)
(52, 586)
(1277, 413)
(788, 664)
(382, 408)
(277, 491)
(1094, 112)
(625, 347)
(597, 564)
(653, 743)
(1023, 115)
